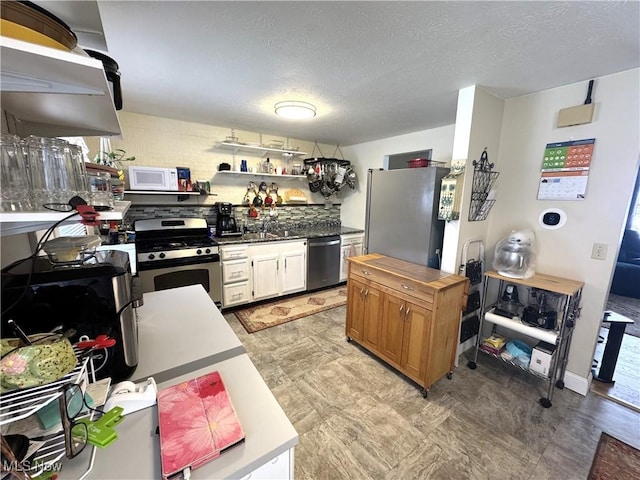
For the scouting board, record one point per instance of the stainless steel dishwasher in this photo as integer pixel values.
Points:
(323, 262)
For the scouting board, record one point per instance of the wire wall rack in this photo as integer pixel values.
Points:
(483, 180)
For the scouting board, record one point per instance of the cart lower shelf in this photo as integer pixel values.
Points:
(544, 401)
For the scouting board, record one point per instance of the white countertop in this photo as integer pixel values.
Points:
(181, 330)
(182, 336)
(136, 453)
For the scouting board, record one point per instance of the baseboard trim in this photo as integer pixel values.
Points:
(578, 384)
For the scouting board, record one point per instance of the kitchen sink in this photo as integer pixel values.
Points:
(286, 233)
(269, 235)
(258, 236)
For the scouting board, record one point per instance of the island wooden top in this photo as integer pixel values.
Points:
(431, 277)
(543, 282)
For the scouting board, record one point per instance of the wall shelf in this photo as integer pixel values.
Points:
(24, 222)
(263, 151)
(181, 196)
(254, 174)
(53, 93)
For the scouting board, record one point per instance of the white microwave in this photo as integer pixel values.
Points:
(153, 178)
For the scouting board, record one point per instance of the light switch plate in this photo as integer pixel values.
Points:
(579, 115)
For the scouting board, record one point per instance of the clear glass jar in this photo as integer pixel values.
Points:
(14, 179)
(100, 191)
(52, 173)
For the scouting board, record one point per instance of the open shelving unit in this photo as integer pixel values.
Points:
(53, 93)
(254, 174)
(23, 222)
(570, 290)
(256, 149)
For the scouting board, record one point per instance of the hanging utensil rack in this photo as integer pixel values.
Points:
(483, 180)
(324, 178)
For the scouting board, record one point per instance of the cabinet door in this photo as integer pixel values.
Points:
(393, 321)
(294, 271)
(264, 269)
(344, 265)
(372, 317)
(355, 309)
(357, 249)
(416, 333)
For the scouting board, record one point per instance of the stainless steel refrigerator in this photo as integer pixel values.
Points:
(402, 214)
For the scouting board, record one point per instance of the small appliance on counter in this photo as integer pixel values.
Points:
(541, 311)
(153, 178)
(509, 305)
(87, 298)
(225, 223)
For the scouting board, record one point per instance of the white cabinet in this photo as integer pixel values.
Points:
(235, 264)
(350, 246)
(278, 268)
(278, 468)
(265, 272)
(294, 275)
(257, 271)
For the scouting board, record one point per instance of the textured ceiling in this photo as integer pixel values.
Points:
(373, 69)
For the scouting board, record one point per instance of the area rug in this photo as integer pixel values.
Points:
(614, 460)
(628, 307)
(275, 313)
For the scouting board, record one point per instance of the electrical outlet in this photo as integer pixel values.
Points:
(599, 251)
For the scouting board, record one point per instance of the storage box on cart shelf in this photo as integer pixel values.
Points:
(541, 358)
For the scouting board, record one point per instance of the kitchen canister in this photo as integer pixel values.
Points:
(15, 189)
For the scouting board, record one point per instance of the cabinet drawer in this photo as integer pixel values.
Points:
(235, 294)
(231, 252)
(421, 292)
(235, 270)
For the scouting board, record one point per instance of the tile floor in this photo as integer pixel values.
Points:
(626, 387)
(359, 419)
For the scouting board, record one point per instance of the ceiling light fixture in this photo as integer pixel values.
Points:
(295, 110)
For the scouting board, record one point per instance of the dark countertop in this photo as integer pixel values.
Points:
(292, 234)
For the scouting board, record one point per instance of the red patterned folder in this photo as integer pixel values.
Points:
(197, 421)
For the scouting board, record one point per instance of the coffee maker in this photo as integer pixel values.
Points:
(225, 223)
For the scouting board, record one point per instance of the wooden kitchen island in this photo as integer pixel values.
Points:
(406, 314)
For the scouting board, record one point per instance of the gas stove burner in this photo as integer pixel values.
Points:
(174, 239)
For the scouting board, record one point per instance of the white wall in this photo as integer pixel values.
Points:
(478, 125)
(163, 142)
(370, 155)
(528, 125)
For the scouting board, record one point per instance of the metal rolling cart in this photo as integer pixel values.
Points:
(570, 292)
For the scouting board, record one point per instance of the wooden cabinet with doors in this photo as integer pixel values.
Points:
(364, 302)
(406, 314)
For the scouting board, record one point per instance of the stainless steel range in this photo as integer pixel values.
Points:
(175, 252)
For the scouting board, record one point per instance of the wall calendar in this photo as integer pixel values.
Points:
(565, 170)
